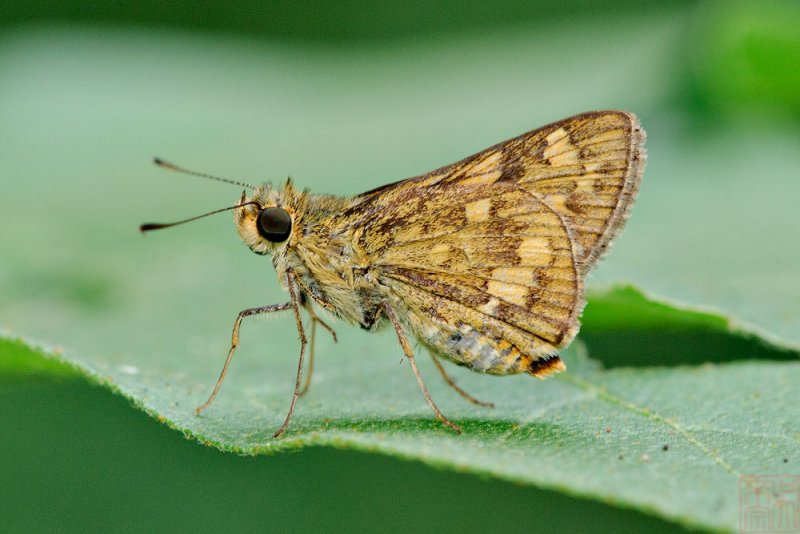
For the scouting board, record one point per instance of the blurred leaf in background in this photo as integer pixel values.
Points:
(743, 59)
(347, 97)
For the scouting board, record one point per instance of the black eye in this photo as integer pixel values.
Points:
(274, 224)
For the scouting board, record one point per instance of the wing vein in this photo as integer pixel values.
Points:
(438, 295)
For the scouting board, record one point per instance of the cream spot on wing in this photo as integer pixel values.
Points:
(571, 157)
(534, 245)
(440, 253)
(483, 172)
(489, 308)
(487, 178)
(556, 136)
(508, 292)
(478, 211)
(487, 164)
(583, 187)
(514, 275)
(594, 166)
(560, 150)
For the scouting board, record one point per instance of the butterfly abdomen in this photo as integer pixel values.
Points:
(482, 352)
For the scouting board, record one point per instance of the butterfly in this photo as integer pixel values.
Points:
(483, 261)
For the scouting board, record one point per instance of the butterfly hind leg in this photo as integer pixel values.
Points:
(410, 355)
(455, 386)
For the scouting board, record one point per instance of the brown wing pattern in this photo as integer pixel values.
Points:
(587, 168)
(498, 267)
(506, 256)
(498, 244)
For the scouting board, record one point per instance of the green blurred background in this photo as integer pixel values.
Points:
(343, 96)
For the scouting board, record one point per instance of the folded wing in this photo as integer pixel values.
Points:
(497, 245)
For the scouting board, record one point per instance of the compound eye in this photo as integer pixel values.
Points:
(274, 224)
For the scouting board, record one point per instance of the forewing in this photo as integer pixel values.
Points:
(586, 168)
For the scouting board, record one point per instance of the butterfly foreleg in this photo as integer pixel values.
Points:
(235, 344)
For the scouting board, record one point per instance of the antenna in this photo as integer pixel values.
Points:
(158, 226)
(160, 162)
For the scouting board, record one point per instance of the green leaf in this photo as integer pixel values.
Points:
(670, 441)
(70, 449)
(742, 61)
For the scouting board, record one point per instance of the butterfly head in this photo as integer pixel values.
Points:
(266, 220)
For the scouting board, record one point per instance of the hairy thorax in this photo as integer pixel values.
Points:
(328, 262)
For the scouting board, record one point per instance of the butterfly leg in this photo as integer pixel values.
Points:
(452, 384)
(235, 344)
(290, 279)
(314, 320)
(307, 383)
(410, 355)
